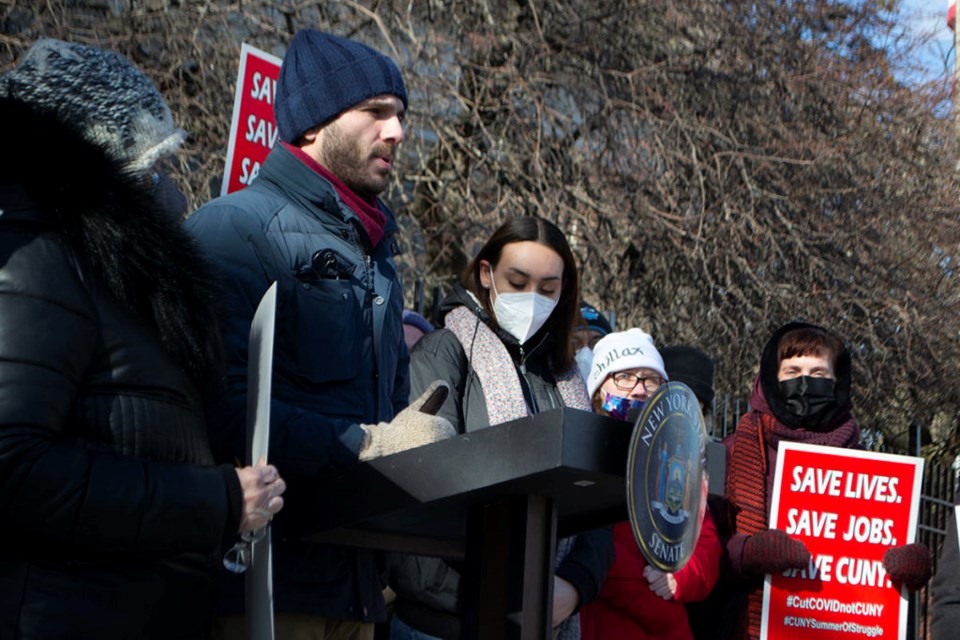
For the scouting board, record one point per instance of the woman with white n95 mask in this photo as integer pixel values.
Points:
(506, 348)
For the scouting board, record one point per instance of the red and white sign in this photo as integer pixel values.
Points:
(253, 131)
(848, 507)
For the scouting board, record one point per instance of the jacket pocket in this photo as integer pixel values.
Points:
(327, 322)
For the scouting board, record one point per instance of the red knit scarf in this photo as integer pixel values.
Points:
(747, 480)
(373, 220)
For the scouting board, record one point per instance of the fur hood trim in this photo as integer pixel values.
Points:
(139, 253)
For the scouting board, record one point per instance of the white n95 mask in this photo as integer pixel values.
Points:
(521, 314)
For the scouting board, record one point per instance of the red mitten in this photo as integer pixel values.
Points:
(773, 551)
(909, 564)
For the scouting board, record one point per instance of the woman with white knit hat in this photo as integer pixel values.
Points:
(627, 369)
(638, 601)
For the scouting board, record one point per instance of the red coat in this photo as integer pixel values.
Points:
(627, 609)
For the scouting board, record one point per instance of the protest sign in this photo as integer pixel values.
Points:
(848, 507)
(253, 131)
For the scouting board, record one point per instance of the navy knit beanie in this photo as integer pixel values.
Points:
(323, 75)
(414, 319)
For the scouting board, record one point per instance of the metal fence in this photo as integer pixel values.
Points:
(937, 498)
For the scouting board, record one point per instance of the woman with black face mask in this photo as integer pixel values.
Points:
(802, 394)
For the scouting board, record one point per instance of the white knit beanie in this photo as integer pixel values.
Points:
(622, 350)
(110, 102)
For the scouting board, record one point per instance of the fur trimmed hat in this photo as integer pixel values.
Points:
(630, 349)
(99, 93)
(323, 75)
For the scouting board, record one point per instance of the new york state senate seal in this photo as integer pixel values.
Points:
(666, 484)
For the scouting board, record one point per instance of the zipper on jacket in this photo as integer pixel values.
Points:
(523, 357)
(368, 304)
(535, 408)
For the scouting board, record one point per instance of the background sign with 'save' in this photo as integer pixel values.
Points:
(253, 131)
(848, 507)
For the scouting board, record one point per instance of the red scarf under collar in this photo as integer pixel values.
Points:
(372, 219)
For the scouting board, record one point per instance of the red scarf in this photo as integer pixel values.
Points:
(372, 219)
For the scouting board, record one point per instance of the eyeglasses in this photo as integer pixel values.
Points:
(626, 381)
(238, 557)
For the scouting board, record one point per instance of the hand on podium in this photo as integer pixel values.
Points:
(415, 426)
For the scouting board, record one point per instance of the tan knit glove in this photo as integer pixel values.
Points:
(415, 426)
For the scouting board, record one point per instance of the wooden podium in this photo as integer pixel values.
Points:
(497, 498)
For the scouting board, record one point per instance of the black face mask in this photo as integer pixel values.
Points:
(808, 398)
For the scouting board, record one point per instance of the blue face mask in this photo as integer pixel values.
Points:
(619, 407)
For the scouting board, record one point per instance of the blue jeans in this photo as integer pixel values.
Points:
(399, 630)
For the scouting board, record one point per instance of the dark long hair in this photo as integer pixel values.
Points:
(561, 322)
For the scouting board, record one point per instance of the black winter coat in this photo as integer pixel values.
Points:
(111, 513)
(946, 585)
(339, 361)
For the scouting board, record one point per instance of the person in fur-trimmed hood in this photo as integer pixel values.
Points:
(113, 513)
(802, 394)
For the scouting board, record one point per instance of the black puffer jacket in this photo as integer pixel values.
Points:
(111, 513)
(427, 588)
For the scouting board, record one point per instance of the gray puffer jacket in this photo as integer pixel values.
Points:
(440, 356)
